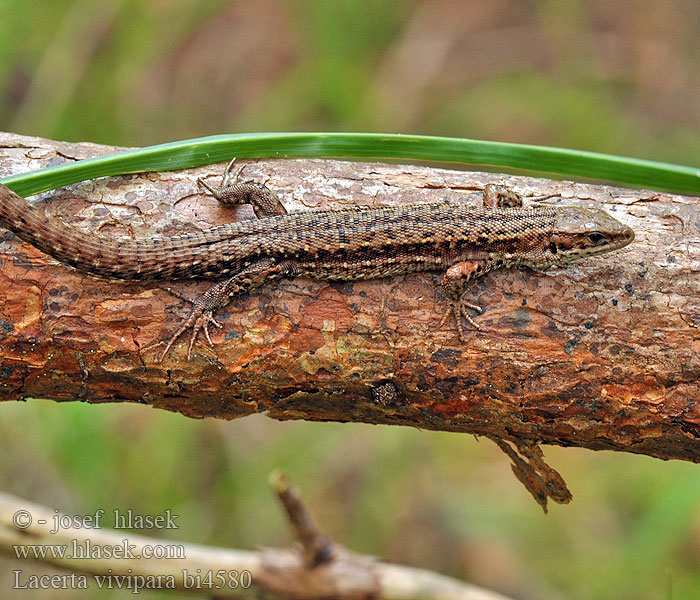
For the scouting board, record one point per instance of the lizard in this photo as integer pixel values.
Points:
(462, 240)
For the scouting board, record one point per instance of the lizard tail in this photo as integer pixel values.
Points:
(88, 252)
(191, 255)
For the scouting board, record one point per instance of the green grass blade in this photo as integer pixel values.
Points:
(220, 148)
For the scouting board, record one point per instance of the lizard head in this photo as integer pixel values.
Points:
(579, 232)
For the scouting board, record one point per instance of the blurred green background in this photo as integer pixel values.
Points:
(618, 77)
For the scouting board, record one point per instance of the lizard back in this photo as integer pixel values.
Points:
(351, 243)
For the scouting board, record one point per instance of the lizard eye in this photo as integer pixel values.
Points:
(596, 238)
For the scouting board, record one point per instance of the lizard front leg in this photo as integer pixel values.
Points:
(452, 286)
(457, 276)
(259, 196)
(220, 294)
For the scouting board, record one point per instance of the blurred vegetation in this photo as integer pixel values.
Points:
(602, 76)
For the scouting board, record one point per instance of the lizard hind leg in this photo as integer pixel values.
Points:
(264, 202)
(219, 295)
(227, 173)
(452, 285)
(500, 196)
(199, 318)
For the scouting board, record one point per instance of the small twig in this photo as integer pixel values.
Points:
(318, 549)
(541, 480)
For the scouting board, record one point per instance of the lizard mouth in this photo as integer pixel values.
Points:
(573, 247)
(628, 237)
(614, 241)
(624, 236)
(580, 232)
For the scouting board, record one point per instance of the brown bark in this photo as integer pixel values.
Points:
(602, 354)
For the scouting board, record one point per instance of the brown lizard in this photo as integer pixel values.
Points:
(462, 240)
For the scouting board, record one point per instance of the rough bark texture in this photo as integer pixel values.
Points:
(602, 354)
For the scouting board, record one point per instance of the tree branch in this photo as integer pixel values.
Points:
(266, 573)
(602, 354)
